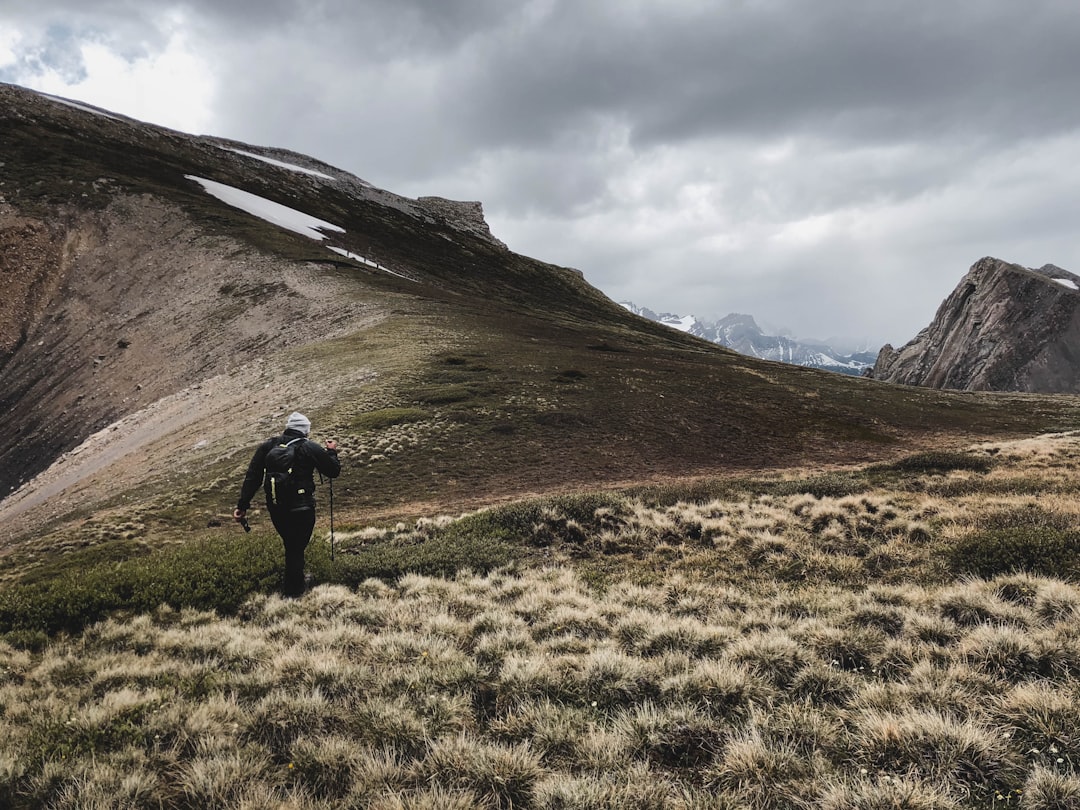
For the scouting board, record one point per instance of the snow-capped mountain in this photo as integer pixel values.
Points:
(742, 334)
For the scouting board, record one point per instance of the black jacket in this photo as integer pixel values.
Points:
(308, 458)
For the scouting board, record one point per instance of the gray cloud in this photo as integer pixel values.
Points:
(829, 167)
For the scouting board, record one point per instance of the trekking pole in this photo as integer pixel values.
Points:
(331, 519)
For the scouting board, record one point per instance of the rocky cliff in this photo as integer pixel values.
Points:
(1004, 328)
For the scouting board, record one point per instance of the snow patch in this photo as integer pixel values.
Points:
(268, 210)
(283, 216)
(1066, 282)
(282, 164)
(78, 106)
(820, 359)
(683, 324)
(363, 260)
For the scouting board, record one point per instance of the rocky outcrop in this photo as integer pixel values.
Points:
(1004, 328)
(467, 216)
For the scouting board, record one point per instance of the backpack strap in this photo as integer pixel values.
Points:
(289, 444)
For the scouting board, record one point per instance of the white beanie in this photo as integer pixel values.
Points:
(298, 422)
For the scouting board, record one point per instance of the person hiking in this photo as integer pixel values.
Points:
(284, 466)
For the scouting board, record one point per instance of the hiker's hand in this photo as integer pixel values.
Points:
(238, 514)
(331, 445)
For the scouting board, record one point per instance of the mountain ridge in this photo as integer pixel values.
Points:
(163, 332)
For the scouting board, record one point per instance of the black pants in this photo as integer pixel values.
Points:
(295, 527)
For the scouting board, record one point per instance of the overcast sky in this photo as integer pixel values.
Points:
(832, 167)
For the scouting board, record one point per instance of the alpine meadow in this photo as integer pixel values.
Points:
(580, 560)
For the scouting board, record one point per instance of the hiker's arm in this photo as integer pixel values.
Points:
(253, 479)
(326, 459)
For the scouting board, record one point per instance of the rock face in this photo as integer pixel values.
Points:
(466, 216)
(1004, 328)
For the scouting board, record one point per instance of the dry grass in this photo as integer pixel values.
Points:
(764, 665)
(762, 707)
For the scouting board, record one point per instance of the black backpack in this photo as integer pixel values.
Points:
(282, 489)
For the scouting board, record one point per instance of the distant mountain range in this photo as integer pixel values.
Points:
(742, 334)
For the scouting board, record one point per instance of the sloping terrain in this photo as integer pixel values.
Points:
(682, 618)
(157, 333)
(897, 636)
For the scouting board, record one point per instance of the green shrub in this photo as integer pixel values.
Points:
(1032, 549)
(208, 573)
(658, 496)
(828, 485)
(1021, 539)
(937, 461)
(515, 522)
(569, 375)
(444, 394)
(582, 507)
(388, 417)
(219, 573)
(1026, 517)
(443, 555)
(100, 553)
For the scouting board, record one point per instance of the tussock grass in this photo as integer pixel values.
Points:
(742, 651)
(638, 786)
(793, 701)
(1046, 788)
(890, 793)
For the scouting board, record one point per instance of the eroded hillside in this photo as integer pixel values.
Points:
(131, 304)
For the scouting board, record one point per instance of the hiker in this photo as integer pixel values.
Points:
(284, 465)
